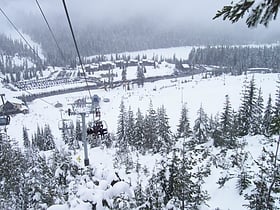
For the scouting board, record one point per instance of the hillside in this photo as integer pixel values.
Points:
(92, 185)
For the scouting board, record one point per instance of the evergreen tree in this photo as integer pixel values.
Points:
(150, 129)
(139, 131)
(139, 194)
(26, 141)
(130, 128)
(257, 117)
(184, 130)
(243, 181)
(200, 129)
(124, 74)
(259, 194)
(38, 139)
(11, 170)
(140, 76)
(164, 140)
(227, 125)
(267, 118)
(48, 139)
(248, 107)
(275, 123)
(122, 127)
(154, 193)
(40, 184)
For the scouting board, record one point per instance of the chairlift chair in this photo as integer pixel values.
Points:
(65, 124)
(4, 120)
(98, 129)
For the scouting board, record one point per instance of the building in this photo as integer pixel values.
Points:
(13, 106)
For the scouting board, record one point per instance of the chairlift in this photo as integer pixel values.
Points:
(4, 120)
(65, 124)
(98, 129)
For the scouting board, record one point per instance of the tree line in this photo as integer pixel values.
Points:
(237, 59)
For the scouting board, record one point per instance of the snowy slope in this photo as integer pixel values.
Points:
(208, 93)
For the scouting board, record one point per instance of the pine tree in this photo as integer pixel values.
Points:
(150, 129)
(48, 139)
(227, 125)
(130, 128)
(38, 142)
(122, 127)
(243, 181)
(40, 184)
(164, 140)
(200, 129)
(124, 75)
(140, 76)
(247, 109)
(267, 118)
(139, 131)
(11, 170)
(257, 117)
(154, 194)
(258, 197)
(184, 130)
(275, 123)
(26, 141)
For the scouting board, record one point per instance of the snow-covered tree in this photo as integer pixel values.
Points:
(140, 76)
(124, 73)
(247, 109)
(48, 139)
(227, 125)
(122, 125)
(139, 131)
(40, 183)
(267, 118)
(150, 129)
(130, 127)
(200, 129)
(26, 141)
(164, 140)
(275, 123)
(258, 12)
(12, 169)
(184, 129)
(257, 117)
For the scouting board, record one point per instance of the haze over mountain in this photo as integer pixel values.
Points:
(122, 25)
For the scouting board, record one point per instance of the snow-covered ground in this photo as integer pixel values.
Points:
(210, 93)
(172, 93)
(165, 53)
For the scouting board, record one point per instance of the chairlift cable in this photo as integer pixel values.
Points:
(21, 35)
(51, 31)
(53, 36)
(18, 31)
(76, 46)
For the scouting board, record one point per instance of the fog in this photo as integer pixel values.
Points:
(163, 12)
(175, 10)
(161, 15)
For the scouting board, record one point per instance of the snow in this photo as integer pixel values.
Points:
(172, 93)
(166, 53)
(210, 93)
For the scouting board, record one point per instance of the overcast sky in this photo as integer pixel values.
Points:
(169, 12)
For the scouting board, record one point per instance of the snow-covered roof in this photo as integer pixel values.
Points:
(185, 65)
(14, 100)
